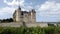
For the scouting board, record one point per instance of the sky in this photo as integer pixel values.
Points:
(46, 10)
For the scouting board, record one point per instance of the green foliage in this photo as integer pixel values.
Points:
(6, 20)
(50, 24)
(30, 30)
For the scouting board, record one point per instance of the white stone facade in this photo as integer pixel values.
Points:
(24, 16)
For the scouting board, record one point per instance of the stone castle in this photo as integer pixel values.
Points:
(24, 16)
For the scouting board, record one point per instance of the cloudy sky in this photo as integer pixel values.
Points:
(46, 10)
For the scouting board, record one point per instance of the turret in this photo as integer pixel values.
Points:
(17, 14)
(19, 8)
(33, 16)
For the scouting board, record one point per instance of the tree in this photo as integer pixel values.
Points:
(7, 20)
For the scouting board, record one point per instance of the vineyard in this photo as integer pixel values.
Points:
(30, 30)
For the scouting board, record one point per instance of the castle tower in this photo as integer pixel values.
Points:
(33, 16)
(16, 15)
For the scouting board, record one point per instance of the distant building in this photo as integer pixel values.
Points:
(24, 16)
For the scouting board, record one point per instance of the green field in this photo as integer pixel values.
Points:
(30, 30)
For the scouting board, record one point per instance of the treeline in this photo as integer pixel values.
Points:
(6, 20)
(30, 30)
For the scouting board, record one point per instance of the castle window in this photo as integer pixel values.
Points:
(22, 13)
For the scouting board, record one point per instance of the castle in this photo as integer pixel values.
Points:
(24, 16)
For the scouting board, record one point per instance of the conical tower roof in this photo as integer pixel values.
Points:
(19, 7)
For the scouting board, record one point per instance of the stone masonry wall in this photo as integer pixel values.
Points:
(13, 24)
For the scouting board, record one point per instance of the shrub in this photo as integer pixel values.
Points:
(30, 30)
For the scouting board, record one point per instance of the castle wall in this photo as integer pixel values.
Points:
(14, 24)
(29, 16)
(25, 18)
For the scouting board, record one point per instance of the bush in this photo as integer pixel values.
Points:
(30, 30)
